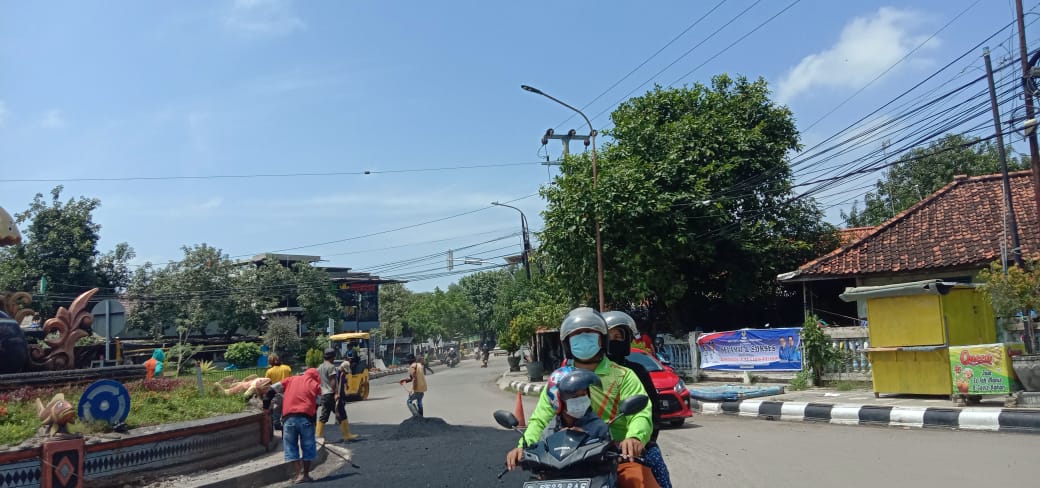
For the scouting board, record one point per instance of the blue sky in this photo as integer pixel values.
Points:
(143, 89)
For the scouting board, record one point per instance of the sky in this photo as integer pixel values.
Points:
(387, 129)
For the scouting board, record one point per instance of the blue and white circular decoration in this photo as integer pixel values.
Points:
(105, 400)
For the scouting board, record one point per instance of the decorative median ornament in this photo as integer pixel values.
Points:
(106, 401)
(56, 415)
(63, 330)
(251, 385)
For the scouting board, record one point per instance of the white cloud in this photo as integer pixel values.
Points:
(263, 18)
(53, 119)
(3, 112)
(867, 46)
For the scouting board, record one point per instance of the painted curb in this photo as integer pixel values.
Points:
(975, 419)
(527, 389)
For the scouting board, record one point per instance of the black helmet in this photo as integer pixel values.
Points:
(330, 353)
(577, 380)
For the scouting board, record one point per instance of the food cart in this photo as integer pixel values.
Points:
(912, 327)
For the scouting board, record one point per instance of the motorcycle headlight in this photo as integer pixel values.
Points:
(680, 386)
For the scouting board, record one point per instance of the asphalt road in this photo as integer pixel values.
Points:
(710, 451)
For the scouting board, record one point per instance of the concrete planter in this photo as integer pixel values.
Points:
(514, 363)
(1027, 368)
(535, 371)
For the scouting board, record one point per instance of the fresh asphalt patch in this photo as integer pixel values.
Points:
(427, 452)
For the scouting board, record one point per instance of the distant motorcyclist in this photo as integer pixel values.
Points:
(485, 353)
(584, 336)
(621, 331)
(453, 357)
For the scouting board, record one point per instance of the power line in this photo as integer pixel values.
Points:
(647, 60)
(266, 175)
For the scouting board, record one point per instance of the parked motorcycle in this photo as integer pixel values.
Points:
(564, 460)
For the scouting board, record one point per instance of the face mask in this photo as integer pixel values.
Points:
(585, 346)
(619, 349)
(577, 406)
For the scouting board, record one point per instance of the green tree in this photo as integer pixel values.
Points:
(61, 244)
(394, 302)
(921, 171)
(695, 204)
(441, 314)
(481, 290)
(316, 295)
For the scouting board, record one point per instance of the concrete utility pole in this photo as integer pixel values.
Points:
(566, 138)
(1012, 221)
(1034, 150)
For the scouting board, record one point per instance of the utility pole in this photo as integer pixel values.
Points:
(566, 138)
(451, 259)
(1034, 150)
(1012, 221)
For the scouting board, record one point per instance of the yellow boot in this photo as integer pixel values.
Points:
(319, 429)
(344, 428)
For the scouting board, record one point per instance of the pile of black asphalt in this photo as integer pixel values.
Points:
(427, 452)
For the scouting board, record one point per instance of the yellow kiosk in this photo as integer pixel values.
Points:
(912, 326)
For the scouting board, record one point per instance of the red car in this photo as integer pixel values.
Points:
(675, 398)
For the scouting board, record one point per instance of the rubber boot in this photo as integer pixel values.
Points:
(319, 429)
(344, 428)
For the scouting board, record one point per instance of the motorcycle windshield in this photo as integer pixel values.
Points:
(564, 442)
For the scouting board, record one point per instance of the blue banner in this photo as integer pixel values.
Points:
(752, 349)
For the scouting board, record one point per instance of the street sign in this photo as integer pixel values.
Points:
(109, 320)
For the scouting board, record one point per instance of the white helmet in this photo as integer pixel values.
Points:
(582, 318)
(621, 319)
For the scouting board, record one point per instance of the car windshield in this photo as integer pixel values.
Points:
(645, 361)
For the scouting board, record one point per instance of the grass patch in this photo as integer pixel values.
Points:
(849, 385)
(153, 402)
(800, 381)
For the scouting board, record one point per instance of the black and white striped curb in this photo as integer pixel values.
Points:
(983, 419)
(531, 389)
(387, 372)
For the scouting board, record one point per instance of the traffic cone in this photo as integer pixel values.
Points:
(519, 410)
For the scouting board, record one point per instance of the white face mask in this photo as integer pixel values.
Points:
(577, 406)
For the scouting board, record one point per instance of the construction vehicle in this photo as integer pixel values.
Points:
(358, 347)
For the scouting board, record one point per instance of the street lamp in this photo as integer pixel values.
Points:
(595, 183)
(527, 242)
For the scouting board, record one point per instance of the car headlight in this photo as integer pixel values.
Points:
(680, 386)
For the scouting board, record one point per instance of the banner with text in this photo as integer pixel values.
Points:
(752, 349)
(983, 369)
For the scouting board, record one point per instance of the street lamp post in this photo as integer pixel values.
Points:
(526, 255)
(595, 183)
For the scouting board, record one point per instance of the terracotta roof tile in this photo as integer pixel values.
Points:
(960, 225)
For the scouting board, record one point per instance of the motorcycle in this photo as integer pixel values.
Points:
(452, 361)
(567, 458)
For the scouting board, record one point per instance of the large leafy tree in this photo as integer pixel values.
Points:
(921, 171)
(481, 290)
(441, 314)
(61, 245)
(394, 303)
(695, 204)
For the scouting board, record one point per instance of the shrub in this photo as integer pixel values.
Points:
(243, 354)
(314, 358)
(819, 352)
(800, 381)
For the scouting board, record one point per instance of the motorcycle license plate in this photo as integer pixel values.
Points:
(582, 483)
